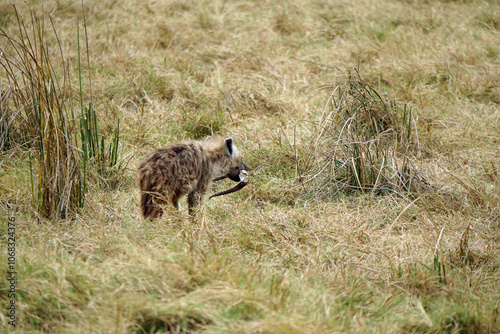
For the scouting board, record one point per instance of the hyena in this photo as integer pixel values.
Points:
(186, 168)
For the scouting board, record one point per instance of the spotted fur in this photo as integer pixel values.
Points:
(186, 168)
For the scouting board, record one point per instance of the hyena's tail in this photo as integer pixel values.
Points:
(148, 209)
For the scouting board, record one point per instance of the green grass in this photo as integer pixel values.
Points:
(285, 254)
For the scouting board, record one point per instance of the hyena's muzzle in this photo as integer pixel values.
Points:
(243, 178)
(236, 174)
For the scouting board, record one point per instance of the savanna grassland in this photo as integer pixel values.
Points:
(310, 245)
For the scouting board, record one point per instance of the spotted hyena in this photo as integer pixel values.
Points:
(186, 168)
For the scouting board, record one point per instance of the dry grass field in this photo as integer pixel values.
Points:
(387, 224)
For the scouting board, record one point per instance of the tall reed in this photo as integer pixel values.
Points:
(93, 146)
(39, 88)
(38, 92)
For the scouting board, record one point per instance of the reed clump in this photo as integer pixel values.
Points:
(37, 103)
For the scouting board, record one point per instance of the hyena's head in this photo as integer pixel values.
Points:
(228, 162)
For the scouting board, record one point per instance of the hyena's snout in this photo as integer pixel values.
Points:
(235, 172)
(243, 182)
(244, 175)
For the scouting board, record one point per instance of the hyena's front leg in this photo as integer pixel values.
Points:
(193, 200)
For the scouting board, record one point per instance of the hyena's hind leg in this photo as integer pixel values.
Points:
(153, 204)
(169, 204)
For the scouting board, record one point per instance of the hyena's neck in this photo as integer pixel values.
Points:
(214, 151)
(218, 166)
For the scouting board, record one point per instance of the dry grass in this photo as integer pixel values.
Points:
(271, 259)
(363, 143)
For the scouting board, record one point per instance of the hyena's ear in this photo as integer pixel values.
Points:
(208, 138)
(229, 148)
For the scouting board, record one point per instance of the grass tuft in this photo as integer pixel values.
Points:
(364, 143)
(39, 89)
(36, 89)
